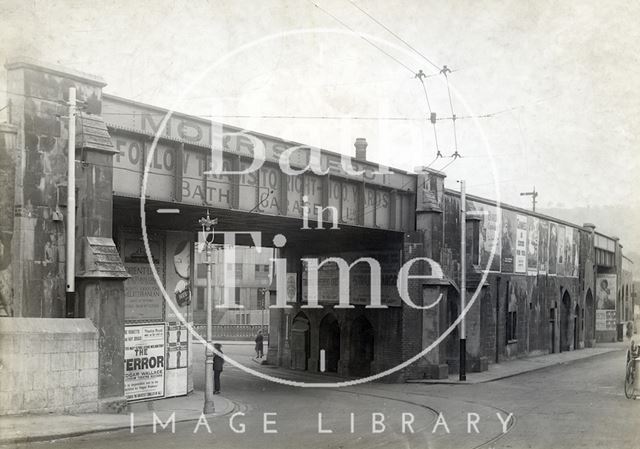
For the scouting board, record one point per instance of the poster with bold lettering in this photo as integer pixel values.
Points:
(508, 241)
(543, 247)
(142, 297)
(553, 248)
(144, 359)
(561, 255)
(521, 244)
(532, 246)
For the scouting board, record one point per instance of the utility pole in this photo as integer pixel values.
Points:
(533, 194)
(463, 281)
(263, 306)
(71, 207)
(207, 240)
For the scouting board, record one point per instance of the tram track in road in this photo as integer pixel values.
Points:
(381, 391)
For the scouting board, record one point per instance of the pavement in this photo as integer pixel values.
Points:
(516, 367)
(31, 428)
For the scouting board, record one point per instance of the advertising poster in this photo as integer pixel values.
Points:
(143, 299)
(568, 258)
(561, 251)
(177, 360)
(178, 275)
(572, 257)
(489, 227)
(521, 244)
(605, 320)
(292, 287)
(543, 247)
(533, 240)
(606, 292)
(144, 358)
(553, 248)
(508, 241)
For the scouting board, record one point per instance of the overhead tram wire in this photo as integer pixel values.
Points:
(395, 35)
(444, 70)
(362, 37)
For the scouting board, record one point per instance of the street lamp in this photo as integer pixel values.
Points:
(207, 241)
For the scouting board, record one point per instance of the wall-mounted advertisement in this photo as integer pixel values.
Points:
(508, 241)
(521, 244)
(143, 299)
(144, 361)
(178, 276)
(606, 285)
(489, 231)
(543, 247)
(561, 253)
(553, 248)
(177, 360)
(571, 264)
(533, 239)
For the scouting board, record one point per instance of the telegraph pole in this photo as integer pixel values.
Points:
(71, 206)
(533, 194)
(207, 240)
(463, 281)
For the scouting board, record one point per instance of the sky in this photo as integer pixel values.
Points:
(562, 77)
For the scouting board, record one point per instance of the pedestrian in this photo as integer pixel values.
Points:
(259, 345)
(218, 361)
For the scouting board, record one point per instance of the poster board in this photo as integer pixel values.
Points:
(606, 285)
(144, 361)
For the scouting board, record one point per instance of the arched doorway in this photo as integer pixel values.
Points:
(589, 320)
(330, 342)
(300, 342)
(577, 325)
(565, 320)
(361, 347)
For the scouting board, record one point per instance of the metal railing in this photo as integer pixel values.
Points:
(233, 331)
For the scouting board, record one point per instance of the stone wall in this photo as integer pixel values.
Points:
(48, 365)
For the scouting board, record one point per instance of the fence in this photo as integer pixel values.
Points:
(233, 331)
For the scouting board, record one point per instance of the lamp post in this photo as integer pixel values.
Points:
(462, 372)
(207, 240)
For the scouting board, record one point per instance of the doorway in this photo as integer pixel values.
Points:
(300, 342)
(576, 328)
(565, 321)
(361, 347)
(330, 342)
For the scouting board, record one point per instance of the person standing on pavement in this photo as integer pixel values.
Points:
(218, 362)
(259, 345)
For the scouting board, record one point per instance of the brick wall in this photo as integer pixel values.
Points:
(48, 365)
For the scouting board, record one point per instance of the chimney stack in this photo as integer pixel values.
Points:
(361, 148)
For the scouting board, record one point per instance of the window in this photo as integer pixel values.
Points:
(262, 271)
(512, 323)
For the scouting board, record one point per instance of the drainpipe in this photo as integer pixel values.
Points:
(71, 205)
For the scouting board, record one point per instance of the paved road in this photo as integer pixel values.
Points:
(575, 405)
